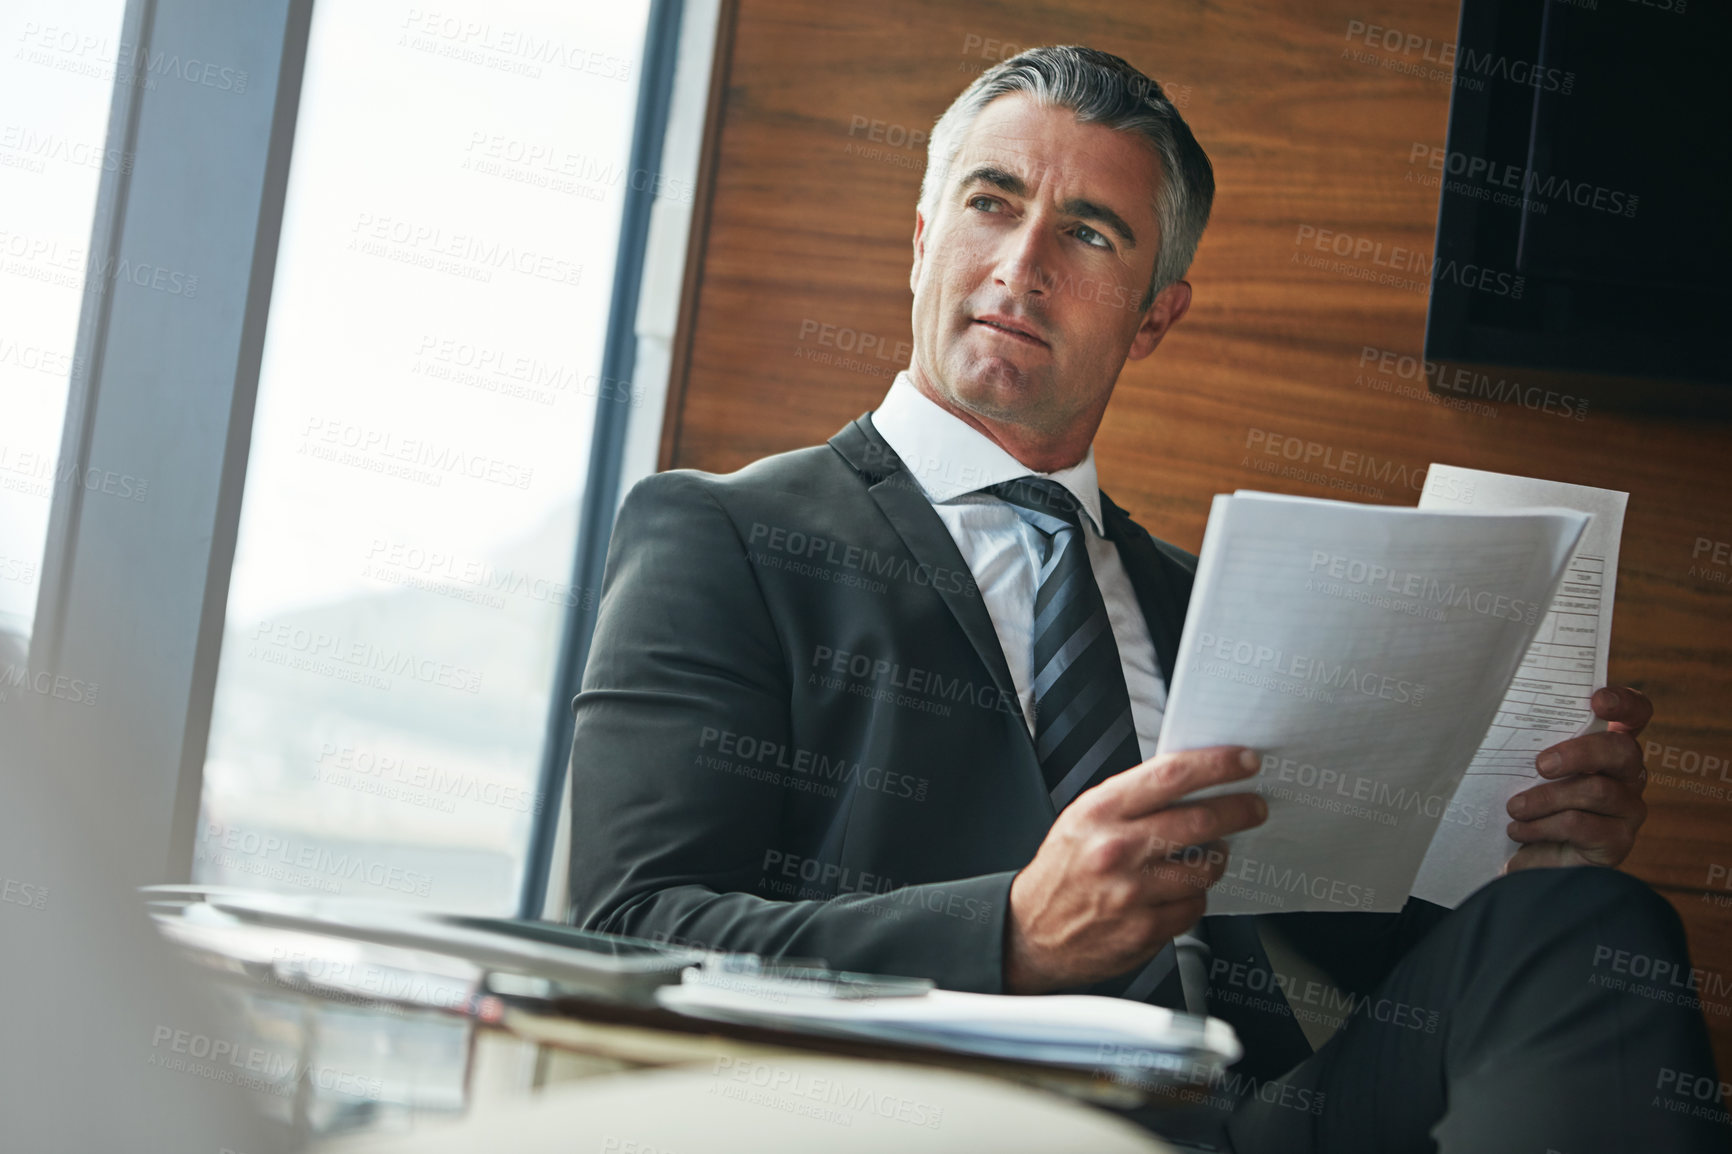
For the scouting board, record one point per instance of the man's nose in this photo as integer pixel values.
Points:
(1023, 263)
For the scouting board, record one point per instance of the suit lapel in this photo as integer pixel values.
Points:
(904, 504)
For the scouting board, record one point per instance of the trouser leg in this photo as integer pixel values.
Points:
(1517, 1024)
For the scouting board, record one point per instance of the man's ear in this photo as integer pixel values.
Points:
(919, 249)
(1168, 309)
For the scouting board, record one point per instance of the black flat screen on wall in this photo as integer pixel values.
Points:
(1585, 211)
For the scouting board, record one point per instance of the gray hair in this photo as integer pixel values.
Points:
(1101, 89)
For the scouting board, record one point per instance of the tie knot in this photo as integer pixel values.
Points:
(1041, 500)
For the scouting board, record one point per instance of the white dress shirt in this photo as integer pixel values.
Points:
(953, 462)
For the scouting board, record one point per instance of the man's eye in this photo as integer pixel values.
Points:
(984, 203)
(1090, 237)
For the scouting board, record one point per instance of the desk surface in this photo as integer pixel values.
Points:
(337, 1065)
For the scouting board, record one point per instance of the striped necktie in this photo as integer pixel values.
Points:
(1083, 731)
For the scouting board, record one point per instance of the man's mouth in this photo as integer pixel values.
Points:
(1012, 328)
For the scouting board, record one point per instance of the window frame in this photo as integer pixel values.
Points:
(138, 594)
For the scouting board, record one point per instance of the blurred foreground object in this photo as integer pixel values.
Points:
(802, 1105)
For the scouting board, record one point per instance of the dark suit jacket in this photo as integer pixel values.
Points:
(797, 734)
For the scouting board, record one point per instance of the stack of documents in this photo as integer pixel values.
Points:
(1547, 702)
(1077, 1030)
(1372, 655)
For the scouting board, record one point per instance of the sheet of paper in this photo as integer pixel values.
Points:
(1548, 700)
(1364, 651)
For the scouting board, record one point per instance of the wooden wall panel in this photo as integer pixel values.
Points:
(810, 226)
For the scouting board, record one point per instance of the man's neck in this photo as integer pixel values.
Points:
(1040, 452)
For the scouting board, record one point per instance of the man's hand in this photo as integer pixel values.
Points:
(1124, 869)
(1588, 814)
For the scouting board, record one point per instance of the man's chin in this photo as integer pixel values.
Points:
(998, 388)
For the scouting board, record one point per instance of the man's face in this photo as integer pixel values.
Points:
(1029, 280)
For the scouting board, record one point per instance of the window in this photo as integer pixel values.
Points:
(429, 381)
(61, 63)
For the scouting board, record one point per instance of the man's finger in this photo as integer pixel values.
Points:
(1545, 855)
(1175, 917)
(1165, 881)
(1179, 827)
(1160, 781)
(1178, 868)
(1615, 754)
(1601, 840)
(1629, 710)
(1593, 793)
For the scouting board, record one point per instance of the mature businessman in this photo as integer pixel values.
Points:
(886, 701)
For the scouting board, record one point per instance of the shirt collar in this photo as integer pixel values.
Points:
(949, 458)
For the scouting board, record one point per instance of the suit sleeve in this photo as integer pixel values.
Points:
(664, 847)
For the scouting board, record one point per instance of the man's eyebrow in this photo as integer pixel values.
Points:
(998, 178)
(1101, 214)
(1080, 207)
